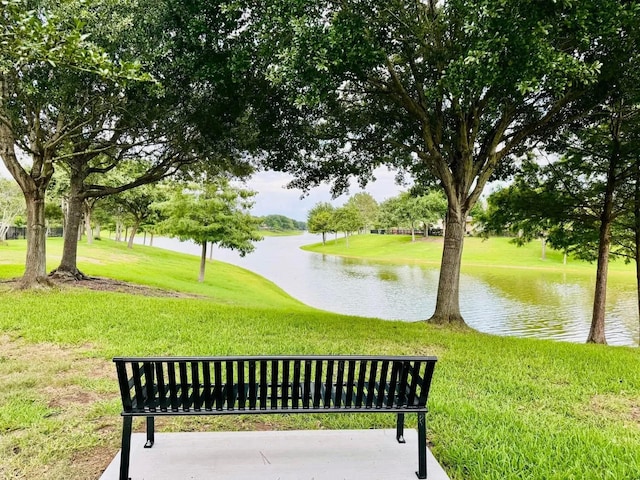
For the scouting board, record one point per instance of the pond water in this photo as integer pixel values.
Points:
(524, 303)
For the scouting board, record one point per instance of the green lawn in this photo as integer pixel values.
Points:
(501, 408)
(495, 252)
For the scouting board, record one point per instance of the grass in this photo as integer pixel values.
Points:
(501, 408)
(495, 252)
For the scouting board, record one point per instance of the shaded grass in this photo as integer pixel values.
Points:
(501, 407)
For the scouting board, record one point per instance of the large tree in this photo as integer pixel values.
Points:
(46, 63)
(194, 117)
(445, 91)
(347, 219)
(213, 212)
(320, 219)
(367, 206)
(576, 201)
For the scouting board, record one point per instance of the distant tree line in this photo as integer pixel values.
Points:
(280, 223)
(406, 211)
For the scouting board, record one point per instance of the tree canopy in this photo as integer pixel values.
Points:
(320, 219)
(444, 91)
(212, 212)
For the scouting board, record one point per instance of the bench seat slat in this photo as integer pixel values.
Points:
(361, 380)
(273, 380)
(197, 399)
(274, 384)
(263, 387)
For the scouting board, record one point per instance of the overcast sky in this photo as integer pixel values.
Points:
(274, 198)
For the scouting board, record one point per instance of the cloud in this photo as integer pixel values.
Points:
(274, 198)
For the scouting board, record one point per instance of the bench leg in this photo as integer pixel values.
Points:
(150, 432)
(400, 428)
(422, 446)
(125, 453)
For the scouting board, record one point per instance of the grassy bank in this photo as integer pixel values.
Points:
(495, 252)
(501, 408)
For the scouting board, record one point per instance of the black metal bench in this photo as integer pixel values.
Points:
(155, 386)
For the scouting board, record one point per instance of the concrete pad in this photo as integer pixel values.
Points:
(277, 455)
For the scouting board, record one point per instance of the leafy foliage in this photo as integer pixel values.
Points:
(367, 206)
(212, 212)
(446, 92)
(320, 219)
(282, 223)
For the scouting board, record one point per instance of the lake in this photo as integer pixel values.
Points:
(502, 301)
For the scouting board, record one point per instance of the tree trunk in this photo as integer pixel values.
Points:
(36, 263)
(97, 232)
(132, 236)
(544, 247)
(65, 212)
(151, 240)
(447, 310)
(118, 232)
(203, 262)
(211, 251)
(324, 236)
(34, 188)
(637, 255)
(636, 218)
(87, 222)
(596, 332)
(68, 263)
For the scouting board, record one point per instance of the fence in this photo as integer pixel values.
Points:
(405, 231)
(18, 233)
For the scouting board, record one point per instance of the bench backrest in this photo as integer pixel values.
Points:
(272, 384)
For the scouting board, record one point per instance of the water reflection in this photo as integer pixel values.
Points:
(501, 301)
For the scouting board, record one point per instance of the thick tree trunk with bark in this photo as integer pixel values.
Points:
(448, 301)
(637, 255)
(35, 266)
(34, 188)
(68, 264)
(636, 218)
(596, 333)
(203, 262)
